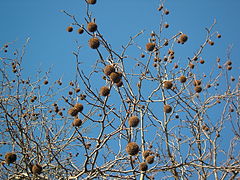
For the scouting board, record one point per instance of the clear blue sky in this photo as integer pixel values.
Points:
(51, 45)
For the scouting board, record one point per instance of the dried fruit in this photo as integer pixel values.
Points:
(143, 166)
(182, 79)
(37, 169)
(92, 27)
(150, 159)
(150, 46)
(72, 111)
(77, 122)
(94, 43)
(167, 108)
(45, 82)
(10, 158)
(146, 153)
(132, 148)
(167, 84)
(108, 69)
(104, 91)
(80, 30)
(133, 121)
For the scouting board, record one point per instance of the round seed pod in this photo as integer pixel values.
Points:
(108, 70)
(167, 84)
(104, 91)
(45, 82)
(146, 153)
(211, 43)
(143, 166)
(219, 35)
(72, 111)
(69, 29)
(80, 30)
(132, 148)
(150, 159)
(191, 65)
(183, 38)
(150, 46)
(119, 84)
(133, 121)
(197, 82)
(91, 1)
(94, 43)
(167, 108)
(198, 89)
(166, 12)
(182, 79)
(77, 122)
(115, 77)
(78, 107)
(37, 169)
(10, 158)
(92, 27)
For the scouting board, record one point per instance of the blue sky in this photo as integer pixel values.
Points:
(51, 45)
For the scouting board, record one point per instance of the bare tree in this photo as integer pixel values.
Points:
(150, 117)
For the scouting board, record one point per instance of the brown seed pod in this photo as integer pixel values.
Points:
(72, 111)
(115, 77)
(104, 91)
(183, 38)
(45, 82)
(167, 84)
(205, 127)
(229, 67)
(211, 42)
(108, 69)
(167, 108)
(132, 148)
(202, 61)
(37, 169)
(77, 90)
(146, 153)
(69, 29)
(143, 166)
(133, 121)
(119, 84)
(229, 62)
(150, 159)
(92, 26)
(182, 79)
(166, 25)
(10, 158)
(91, 1)
(94, 43)
(78, 107)
(77, 122)
(150, 46)
(198, 89)
(197, 82)
(166, 12)
(191, 65)
(80, 30)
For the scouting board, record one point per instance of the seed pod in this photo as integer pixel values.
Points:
(167, 108)
(69, 29)
(37, 169)
(197, 82)
(146, 153)
(78, 107)
(72, 111)
(92, 27)
(94, 43)
(10, 158)
(91, 1)
(150, 159)
(80, 30)
(115, 77)
(183, 38)
(182, 79)
(143, 166)
(77, 122)
(150, 46)
(108, 70)
(119, 84)
(167, 84)
(132, 148)
(198, 89)
(133, 121)
(104, 91)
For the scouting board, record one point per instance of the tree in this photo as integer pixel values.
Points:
(132, 116)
